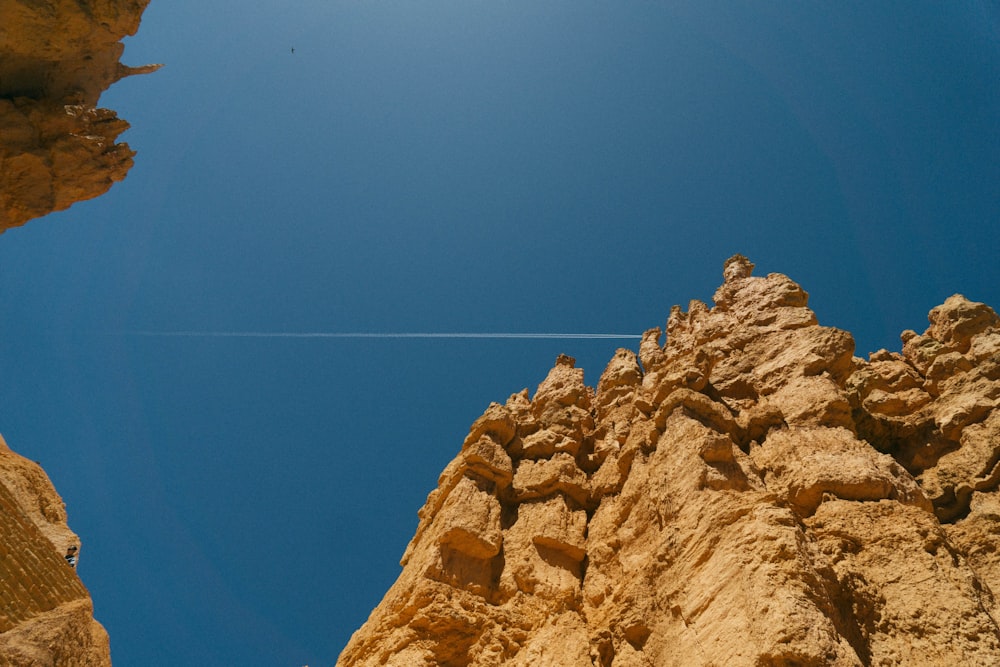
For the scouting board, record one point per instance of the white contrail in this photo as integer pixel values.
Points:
(324, 334)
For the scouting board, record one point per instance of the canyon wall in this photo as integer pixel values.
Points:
(46, 616)
(747, 492)
(56, 146)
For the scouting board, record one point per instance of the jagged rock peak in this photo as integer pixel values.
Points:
(737, 267)
(752, 494)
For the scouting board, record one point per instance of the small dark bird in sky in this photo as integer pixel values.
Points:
(293, 49)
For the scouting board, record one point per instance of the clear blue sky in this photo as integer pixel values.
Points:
(445, 166)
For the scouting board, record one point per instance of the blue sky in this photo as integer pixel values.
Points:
(445, 166)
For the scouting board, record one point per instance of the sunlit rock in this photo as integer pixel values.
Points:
(752, 495)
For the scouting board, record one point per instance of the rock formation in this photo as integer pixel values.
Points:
(56, 58)
(46, 616)
(56, 148)
(747, 493)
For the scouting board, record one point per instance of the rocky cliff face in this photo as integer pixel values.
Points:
(56, 58)
(56, 148)
(46, 616)
(746, 493)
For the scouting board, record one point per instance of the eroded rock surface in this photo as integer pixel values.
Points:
(746, 493)
(46, 616)
(56, 58)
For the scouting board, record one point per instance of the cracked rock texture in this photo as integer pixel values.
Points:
(56, 58)
(46, 616)
(746, 492)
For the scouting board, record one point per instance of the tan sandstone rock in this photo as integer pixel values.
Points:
(752, 494)
(46, 616)
(56, 147)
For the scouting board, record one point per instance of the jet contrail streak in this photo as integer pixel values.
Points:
(281, 334)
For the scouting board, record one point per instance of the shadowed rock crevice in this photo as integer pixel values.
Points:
(744, 492)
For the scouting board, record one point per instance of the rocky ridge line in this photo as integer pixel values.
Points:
(747, 493)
